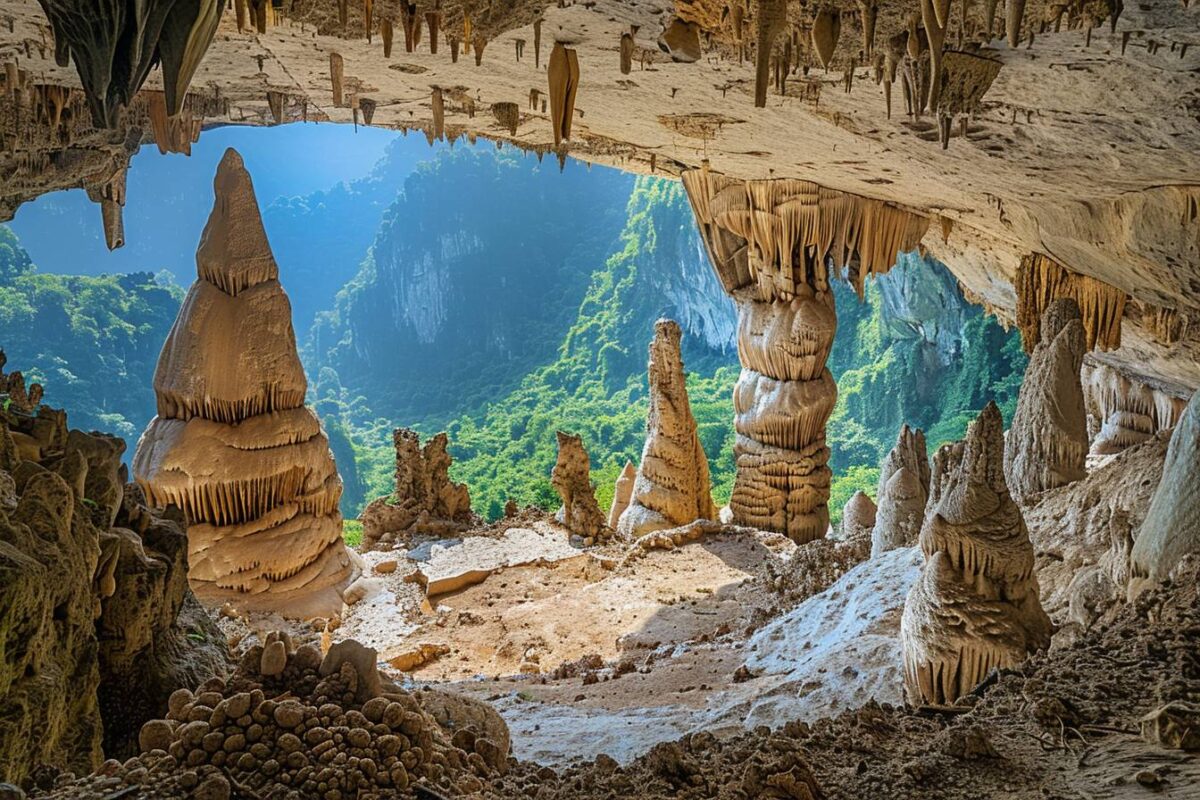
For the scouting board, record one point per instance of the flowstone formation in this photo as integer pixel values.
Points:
(233, 445)
(903, 493)
(775, 244)
(100, 624)
(672, 485)
(424, 501)
(571, 477)
(975, 606)
(1047, 443)
(1171, 529)
(1122, 411)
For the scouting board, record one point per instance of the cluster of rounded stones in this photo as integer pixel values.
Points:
(290, 724)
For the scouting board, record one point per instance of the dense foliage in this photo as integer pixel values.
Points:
(93, 342)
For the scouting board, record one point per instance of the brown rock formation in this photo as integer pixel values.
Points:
(903, 492)
(563, 76)
(233, 445)
(1047, 443)
(771, 243)
(1040, 281)
(680, 40)
(858, 516)
(424, 501)
(1122, 411)
(571, 479)
(975, 606)
(1171, 529)
(622, 492)
(672, 486)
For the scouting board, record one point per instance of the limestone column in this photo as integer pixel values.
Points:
(775, 244)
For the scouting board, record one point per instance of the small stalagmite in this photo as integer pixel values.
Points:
(1047, 444)
(903, 493)
(975, 606)
(858, 516)
(622, 492)
(774, 245)
(233, 445)
(1171, 529)
(563, 77)
(571, 477)
(672, 487)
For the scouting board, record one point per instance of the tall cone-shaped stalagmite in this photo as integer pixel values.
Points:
(233, 444)
(774, 245)
(975, 606)
(1047, 444)
(1171, 529)
(672, 486)
(903, 492)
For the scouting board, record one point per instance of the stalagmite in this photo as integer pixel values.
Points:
(233, 445)
(1047, 443)
(571, 479)
(563, 76)
(1171, 529)
(368, 22)
(672, 486)
(622, 492)
(508, 115)
(433, 20)
(388, 34)
(479, 42)
(858, 516)
(772, 244)
(439, 113)
(975, 606)
(336, 69)
(275, 101)
(626, 53)
(868, 11)
(367, 106)
(1040, 281)
(772, 19)
(1014, 14)
(537, 43)
(903, 492)
(826, 29)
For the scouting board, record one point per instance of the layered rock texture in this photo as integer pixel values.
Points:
(100, 625)
(571, 478)
(1047, 443)
(1171, 529)
(773, 244)
(1124, 411)
(425, 501)
(975, 606)
(233, 445)
(903, 493)
(672, 486)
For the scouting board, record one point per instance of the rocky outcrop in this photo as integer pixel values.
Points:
(1171, 529)
(903, 493)
(1122, 411)
(672, 486)
(233, 445)
(858, 516)
(1047, 443)
(622, 492)
(975, 606)
(580, 514)
(424, 501)
(772, 244)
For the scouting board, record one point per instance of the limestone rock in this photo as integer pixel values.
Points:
(858, 516)
(672, 486)
(975, 606)
(233, 445)
(681, 40)
(424, 501)
(580, 513)
(1047, 443)
(622, 492)
(1171, 529)
(1122, 411)
(903, 492)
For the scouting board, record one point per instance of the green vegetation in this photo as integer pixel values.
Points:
(93, 342)
(352, 532)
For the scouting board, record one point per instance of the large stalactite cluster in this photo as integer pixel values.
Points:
(233, 445)
(775, 245)
(975, 606)
(1123, 412)
(1041, 281)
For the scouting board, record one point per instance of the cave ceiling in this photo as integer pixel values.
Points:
(1082, 143)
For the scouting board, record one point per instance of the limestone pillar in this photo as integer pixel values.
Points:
(775, 244)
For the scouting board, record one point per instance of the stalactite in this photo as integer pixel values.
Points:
(537, 43)
(935, 35)
(275, 101)
(480, 42)
(508, 115)
(411, 22)
(826, 29)
(626, 53)
(368, 21)
(433, 20)
(1040, 281)
(240, 8)
(453, 49)
(563, 77)
(1124, 412)
(336, 70)
(868, 11)
(439, 114)
(771, 17)
(1014, 11)
(367, 106)
(975, 606)
(387, 33)
(520, 48)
